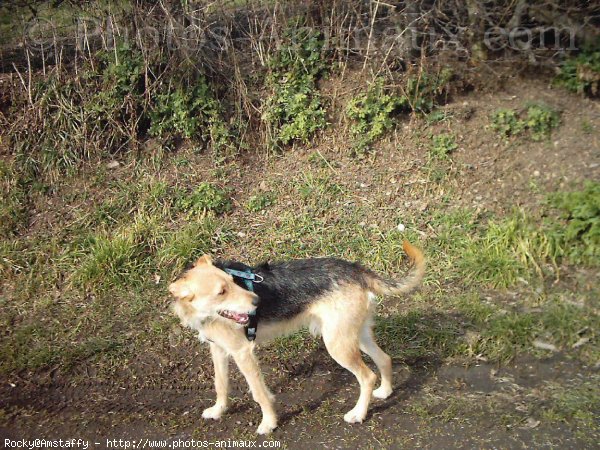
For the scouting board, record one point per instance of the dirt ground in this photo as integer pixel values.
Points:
(312, 397)
(437, 403)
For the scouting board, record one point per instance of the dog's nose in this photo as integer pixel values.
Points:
(255, 301)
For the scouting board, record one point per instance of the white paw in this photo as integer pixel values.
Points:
(266, 426)
(214, 412)
(382, 392)
(354, 416)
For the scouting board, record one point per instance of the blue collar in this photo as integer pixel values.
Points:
(248, 276)
(249, 279)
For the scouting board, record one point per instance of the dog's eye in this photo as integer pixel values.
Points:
(222, 291)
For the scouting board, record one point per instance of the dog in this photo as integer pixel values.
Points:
(334, 298)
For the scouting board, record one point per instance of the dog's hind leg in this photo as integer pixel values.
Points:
(248, 365)
(381, 359)
(221, 364)
(342, 344)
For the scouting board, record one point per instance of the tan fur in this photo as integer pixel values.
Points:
(343, 317)
(391, 287)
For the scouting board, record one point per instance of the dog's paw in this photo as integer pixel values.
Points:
(382, 392)
(266, 427)
(214, 412)
(355, 416)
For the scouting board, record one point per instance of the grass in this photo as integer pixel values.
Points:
(87, 251)
(205, 198)
(113, 239)
(145, 231)
(13, 203)
(576, 404)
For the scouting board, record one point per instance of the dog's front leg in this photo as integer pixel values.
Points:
(248, 365)
(221, 363)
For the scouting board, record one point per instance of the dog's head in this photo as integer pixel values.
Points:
(206, 291)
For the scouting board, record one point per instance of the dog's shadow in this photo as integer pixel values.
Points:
(417, 341)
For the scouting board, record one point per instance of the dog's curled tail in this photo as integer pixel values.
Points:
(385, 286)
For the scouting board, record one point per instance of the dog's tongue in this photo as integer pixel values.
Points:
(239, 318)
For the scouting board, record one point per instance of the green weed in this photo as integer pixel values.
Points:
(259, 202)
(371, 114)
(189, 242)
(438, 115)
(191, 112)
(506, 251)
(205, 198)
(295, 109)
(539, 122)
(119, 258)
(581, 74)
(506, 122)
(579, 232)
(422, 93)
(587, 127)
(443, 145)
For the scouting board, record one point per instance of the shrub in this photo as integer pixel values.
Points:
(371, 114)
(190, 112)
(295, 109)
(580, 230)
(582, 73)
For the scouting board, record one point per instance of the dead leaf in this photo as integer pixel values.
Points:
(531, 423)
(581, 341)
(544, 345)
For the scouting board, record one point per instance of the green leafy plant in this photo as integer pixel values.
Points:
(295, 109)
(259, 202)
(192, 113)
(506, 122)
(371, 114)
(580, 231)
(581, 74)
(442, 145)
(117, 100)
(206, 197)
(539, 122)
(422, 92)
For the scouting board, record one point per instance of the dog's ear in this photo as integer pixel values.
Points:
(204, 260)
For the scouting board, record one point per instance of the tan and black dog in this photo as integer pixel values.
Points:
(332, 297)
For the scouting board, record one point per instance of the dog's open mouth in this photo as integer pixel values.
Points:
(240, 318)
